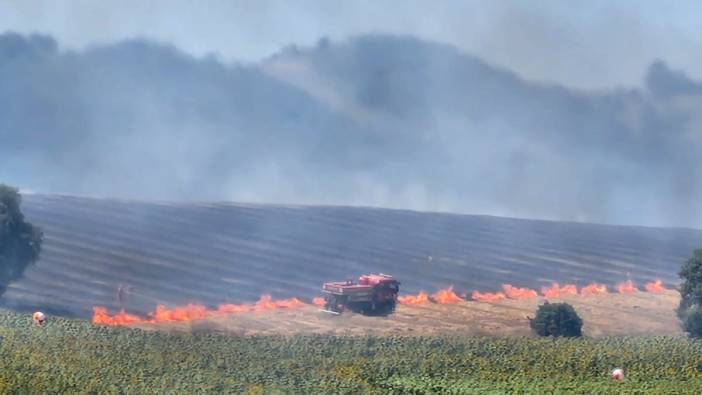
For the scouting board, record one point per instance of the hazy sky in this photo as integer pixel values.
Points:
(361, 120)
(587, 44)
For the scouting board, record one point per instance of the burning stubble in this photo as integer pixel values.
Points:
(446, 296)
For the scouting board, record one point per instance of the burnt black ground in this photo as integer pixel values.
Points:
(222, 252)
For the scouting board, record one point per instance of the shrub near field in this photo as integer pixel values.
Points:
(72, 356)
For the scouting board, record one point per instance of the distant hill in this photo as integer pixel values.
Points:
(223, 252)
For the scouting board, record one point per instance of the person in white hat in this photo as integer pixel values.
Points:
(618, 374)
(39, 318)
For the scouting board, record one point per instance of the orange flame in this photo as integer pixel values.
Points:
(319, 302)
(233, 308)
(100, 317)
(188, 312)
(191, 312)
(593, 289)
(414, 300)
(518, 293)
(487, 297)
(556, 291)
(626, 287)
(446, 296)
(655, 287)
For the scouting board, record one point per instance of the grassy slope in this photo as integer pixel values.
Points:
(71, 356)
(214, 253)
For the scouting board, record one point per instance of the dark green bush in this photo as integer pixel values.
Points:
(690, 309)
(556, 319)
(20, 241)
(691, 318)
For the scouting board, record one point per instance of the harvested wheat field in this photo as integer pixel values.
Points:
(640, 313)
(211, 255)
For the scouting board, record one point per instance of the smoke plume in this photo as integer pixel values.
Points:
(376, 120)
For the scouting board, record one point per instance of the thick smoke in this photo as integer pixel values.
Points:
(377, 120)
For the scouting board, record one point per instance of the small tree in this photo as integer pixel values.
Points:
(691, 319)
(20, 241)
(690, 308)
(556, 319)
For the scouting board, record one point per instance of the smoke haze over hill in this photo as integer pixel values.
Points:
(378, 120)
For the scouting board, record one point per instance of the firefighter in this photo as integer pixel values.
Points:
(123, 291)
